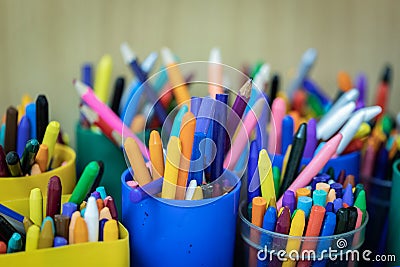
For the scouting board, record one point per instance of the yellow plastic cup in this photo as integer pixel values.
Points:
(112, 253)
(12, 188)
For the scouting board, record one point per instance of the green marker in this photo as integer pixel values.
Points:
(256, 69)
(85, 182)
(359, 187)
(387, 124)
(28, 157)
(13, 164)
(276, 173)
(361, 202)
(315, 105)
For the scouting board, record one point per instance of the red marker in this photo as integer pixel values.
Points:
(382, 93)
(109, 203)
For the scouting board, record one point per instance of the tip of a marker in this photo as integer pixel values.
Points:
(80, 87)
(154, 138)
(309, 56)
(245, 90)
(127, 54)
(215, 55)
(167, 56)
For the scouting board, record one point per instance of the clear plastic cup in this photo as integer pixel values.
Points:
(261, 247)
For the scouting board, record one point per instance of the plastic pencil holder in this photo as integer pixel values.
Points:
(20, 187)
(181, 232)
(94, 146)
(113, 253)
(394, 216)
(348, 162)
(261, 247)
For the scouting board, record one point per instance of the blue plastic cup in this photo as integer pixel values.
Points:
(181, 232)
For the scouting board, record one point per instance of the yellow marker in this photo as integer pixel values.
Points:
(198, 193)
(285, 161)
(156, 155)
(36, 206)
(26, 100)
(110, 231)
(296, 229)
(171, 168)
(46, 236)
(266, 178)
(180, 89)
(50, 138)
(362, 131)
(102, 78)
(32, 238)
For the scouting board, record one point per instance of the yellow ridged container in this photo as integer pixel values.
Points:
(113, 253)
(12, 188)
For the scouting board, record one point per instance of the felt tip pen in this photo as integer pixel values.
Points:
(36, 206)
(59, 241)
(269, 222)
(92, 219)
(15, 244)
(328, 229)
(215, 73)
(287, 133)
(278, 112)
(110, 204)
(62, 225)
(117, 94)
(102, 222)
(54, 191)
(32, 238)
(253, 177)
(80, 231)
(110, 231)
(11, 130)
(42, 117)
(296, 229)
(3, 163)
(171, 168)
(305, 203)
(23, 134)
(289, 200)
(46, 235)
(50, 138)
(85, 182)
(348, 197)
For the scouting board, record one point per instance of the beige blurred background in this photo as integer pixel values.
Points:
(44, 42)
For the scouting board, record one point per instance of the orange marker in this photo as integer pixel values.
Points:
(46, 236)
(323, 186)
(180, 89)
(344, 81)
(303, 192)
(74, 216)
(258, 211)
(299, 101)
(42, 157)
(110, 231)
(156, 155)
(296, 119)
(100, 204)
(140, 171)
(105, 214)
(35, 169)
(186, 136)
(80, 231)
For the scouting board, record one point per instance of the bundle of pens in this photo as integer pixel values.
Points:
(80, 221)
(28, 139)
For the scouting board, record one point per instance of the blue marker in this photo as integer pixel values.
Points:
(69, 208)
(329, 207)
(328, 229)
(269, 222)
(208, 152)
(102, 222)
(15, 243)
(59, 241)
(310, 87)
(196, 163)
(337, 204)
(287, 133)
(132, 104)
(22, 135)
(253, 177)
(348, 197)
(10, 213)
(195, 103)
(30, 111)
(176, 126)
(305, 203)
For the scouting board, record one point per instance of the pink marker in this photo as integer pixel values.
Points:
(315, 165)
(109, 117)
(243, 136)
(275, 135)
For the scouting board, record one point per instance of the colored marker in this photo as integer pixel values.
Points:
(32, 238)
(140, 171)
(253, 177)
(287, 133)
(92, 220)
(46, 235)
(42, 117)
(265, 172)
(15, 244)
(289, 201)
(110, 231)
(50, 138)
(85, 182)
(23, 134)
(110, 204)
(59, 241)
(296, 229)
(328, 229)
(171, 168)
(30, 111)
(269, 222)
(36, 206)
(278, 112)
(3, 163)
(80, 231)
(215, 73)
(13, 164)
(348, 197)
(68, 209)
(62, 225)
(319, 197)
(102, 222)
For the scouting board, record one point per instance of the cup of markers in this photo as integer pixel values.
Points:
(32, 149)
(84, 217)
(317, 225)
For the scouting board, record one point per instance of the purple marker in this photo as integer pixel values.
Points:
(337, 204)
(69, 208)
(329, 207)
(348, 197)
(338, 189)
(289, 200)
(195, 103)
(320, 178)
(59, 241)
(96, 195)
(311, 142)
(22, 135)
(362, 89)
(152, 188)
